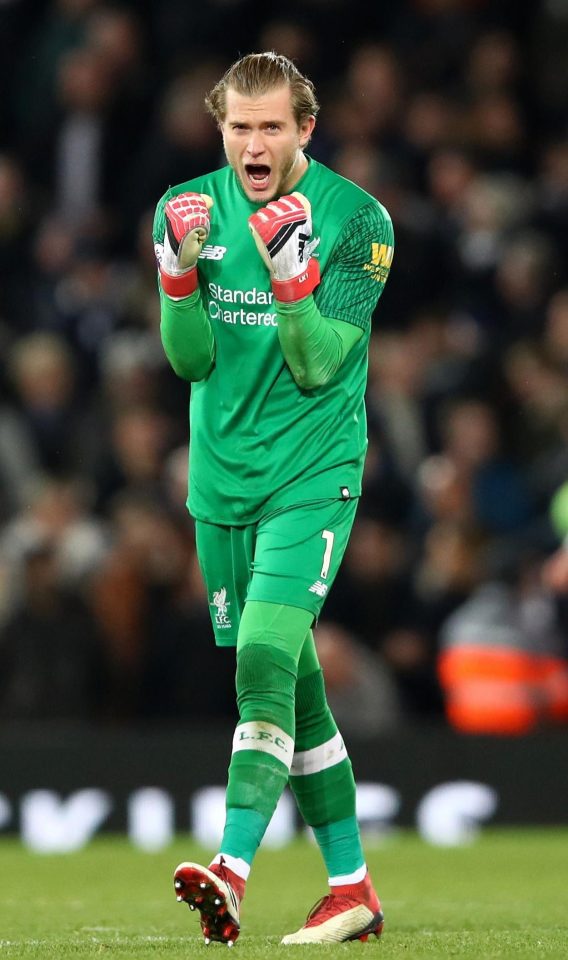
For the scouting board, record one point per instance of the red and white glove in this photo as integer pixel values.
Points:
(282, 232)
(187, 229)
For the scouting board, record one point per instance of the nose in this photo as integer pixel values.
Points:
(255, 145)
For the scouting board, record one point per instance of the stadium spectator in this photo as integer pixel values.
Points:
(52, 664)
(56, 511)
(43, 373)
(501, 663)
(181, 142)
(359, 687)
(152, 615)
(15, 226)
(472, 444)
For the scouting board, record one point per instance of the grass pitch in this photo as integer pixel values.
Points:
(504, 897)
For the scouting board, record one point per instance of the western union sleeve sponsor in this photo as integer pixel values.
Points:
(380, 262)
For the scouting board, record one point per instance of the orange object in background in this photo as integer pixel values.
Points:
(502, 691)
(492, 691)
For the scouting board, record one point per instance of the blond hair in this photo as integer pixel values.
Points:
(259, 73)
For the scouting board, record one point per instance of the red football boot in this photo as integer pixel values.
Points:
(342, 916)
(216, 892)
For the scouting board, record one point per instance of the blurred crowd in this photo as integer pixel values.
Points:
(449, 606)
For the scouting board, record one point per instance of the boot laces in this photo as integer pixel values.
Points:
(222, 871)
(328, 907)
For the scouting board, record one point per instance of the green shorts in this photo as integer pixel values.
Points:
(290, 556)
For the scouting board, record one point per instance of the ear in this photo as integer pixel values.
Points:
(306, 129)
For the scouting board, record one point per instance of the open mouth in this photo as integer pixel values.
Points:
(258, 175)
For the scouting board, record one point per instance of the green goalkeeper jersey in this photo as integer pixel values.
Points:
(257, 441)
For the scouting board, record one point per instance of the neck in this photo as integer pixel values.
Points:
(297, 171)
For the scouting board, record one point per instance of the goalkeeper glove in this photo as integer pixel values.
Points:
(282, 232)
(187, 229)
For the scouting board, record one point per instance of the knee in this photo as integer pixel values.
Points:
(266, 680)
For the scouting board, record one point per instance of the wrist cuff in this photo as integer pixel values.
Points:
(180, 286)
(288, 291)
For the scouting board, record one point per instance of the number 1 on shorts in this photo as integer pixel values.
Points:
(329, 537)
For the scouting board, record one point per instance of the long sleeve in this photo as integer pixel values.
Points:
(317, 333)
(314, 347)
(187, 336)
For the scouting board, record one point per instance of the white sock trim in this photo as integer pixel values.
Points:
(266, 737)
(356, 877)
(319, 758)
(236, 864)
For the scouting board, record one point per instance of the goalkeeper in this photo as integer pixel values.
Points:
(269, 271)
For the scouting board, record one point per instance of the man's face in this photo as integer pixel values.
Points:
(263, 142)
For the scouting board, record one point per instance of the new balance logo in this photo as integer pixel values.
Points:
(210, 252)
(319, 588)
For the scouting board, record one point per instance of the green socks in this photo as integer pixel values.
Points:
(321, 778)
(262, 748)
(286, 733)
